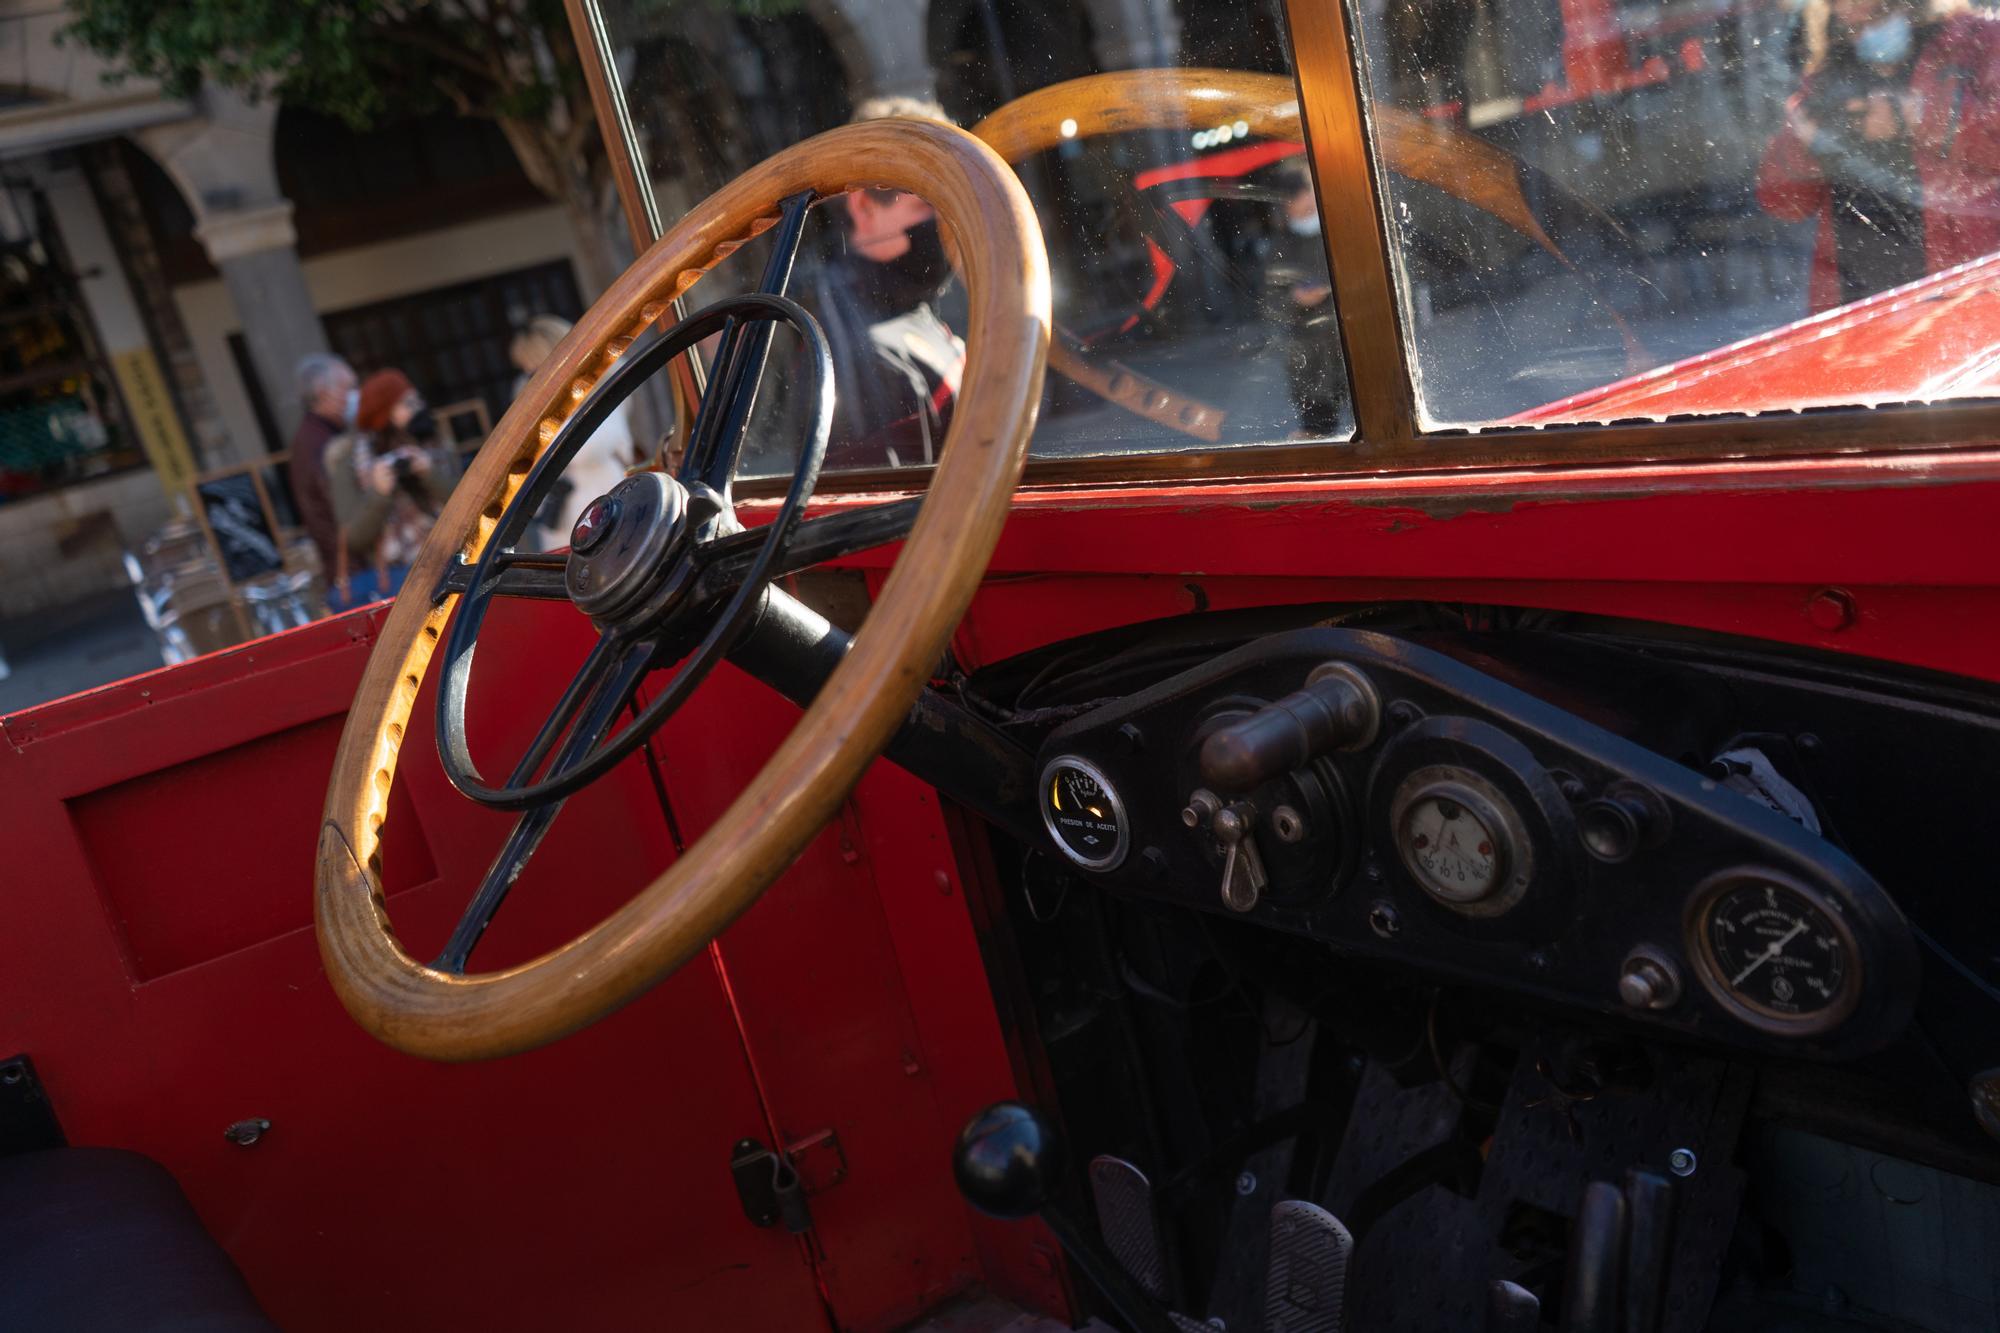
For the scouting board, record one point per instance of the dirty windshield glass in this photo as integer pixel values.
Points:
(1715, 207)
(1192, 303)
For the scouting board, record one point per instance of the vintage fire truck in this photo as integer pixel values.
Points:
(1411, 758)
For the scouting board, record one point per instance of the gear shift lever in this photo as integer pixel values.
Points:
(1009, 1164)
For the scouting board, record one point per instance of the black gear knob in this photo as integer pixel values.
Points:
(1008, 1161)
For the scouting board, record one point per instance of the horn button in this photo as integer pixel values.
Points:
(623, 542)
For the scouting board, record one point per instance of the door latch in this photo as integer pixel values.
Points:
(769, 1187)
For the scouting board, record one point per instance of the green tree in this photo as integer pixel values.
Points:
(513, 62)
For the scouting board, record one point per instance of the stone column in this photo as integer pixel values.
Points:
(256, 251)
(883, 46)
(225, 164)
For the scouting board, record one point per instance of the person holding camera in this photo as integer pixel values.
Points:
(1892, 141)
(390, 477)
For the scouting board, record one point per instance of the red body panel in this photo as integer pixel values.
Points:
(1932, 339)
(164, 977)
(390, 1191)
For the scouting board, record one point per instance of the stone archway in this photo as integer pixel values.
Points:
(224, 163)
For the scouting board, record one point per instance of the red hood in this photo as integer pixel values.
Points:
(1932, 339)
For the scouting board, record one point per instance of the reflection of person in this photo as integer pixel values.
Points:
(329, 394)
(1428, 41)
(389, 477)
(600, 464)
(1318, 388)
(896, 362)
(1893, 143)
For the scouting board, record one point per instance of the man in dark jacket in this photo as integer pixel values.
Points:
(896, 362)
(331, 394)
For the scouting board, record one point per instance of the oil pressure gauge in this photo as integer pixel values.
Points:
(1083, 813)
(1776, 952)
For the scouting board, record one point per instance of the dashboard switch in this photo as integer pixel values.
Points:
(1243, 876)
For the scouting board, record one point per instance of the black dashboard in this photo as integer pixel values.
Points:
(1389, 799)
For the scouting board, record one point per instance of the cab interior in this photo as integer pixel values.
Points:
(1386, 817)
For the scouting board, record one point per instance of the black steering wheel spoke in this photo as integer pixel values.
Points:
(535, 576)
(727, 562)
(716, 439)
(602, 688)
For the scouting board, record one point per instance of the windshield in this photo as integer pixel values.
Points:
(1744, 206)
(1192, 303)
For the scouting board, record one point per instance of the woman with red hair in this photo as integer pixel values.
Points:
(389, 477)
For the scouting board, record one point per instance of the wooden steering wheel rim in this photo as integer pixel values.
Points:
(1439, 155)
(1411, 145)
(991, 229)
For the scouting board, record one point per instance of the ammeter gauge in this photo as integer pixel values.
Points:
(1461, 839)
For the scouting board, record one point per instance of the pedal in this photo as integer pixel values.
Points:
(1125, 1218)
(1512, 1309)
(1305, 1287)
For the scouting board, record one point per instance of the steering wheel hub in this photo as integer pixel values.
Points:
(624, 542)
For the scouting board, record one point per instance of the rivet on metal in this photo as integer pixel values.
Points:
(245, 1133)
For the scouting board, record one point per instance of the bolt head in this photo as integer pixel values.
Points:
(1986, 1101)
(1385, 921)
(1246, 1184)
(1682, 1161)
(1648, 983)
(1637, 989)
(1831, 610)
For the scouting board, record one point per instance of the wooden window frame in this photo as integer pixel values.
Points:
(1388, 437)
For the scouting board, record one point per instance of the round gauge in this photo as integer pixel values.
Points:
(1460, 839)
(1082, 812)
(1778, 953)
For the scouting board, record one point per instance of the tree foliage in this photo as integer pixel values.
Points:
(375, 61)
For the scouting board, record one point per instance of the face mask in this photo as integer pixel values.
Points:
(920, 272)
(1884, 42)
(1305, 226)
(422, 426)
(351, 408)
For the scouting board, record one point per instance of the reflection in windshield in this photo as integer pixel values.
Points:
(1192, 302)
(1707, 172)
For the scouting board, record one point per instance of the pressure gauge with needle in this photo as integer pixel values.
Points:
(1777, 953)
(1083, 813)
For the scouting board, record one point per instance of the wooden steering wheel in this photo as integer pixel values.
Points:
(662, 567)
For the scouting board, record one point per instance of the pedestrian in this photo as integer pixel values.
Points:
(604, 458)
(1893, 143)
(389, 477)
(330, 395)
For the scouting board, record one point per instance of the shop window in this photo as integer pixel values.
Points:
(61, 420)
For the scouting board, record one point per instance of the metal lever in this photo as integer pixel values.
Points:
(1243, 877)
(1337, 710)
(1008, 1163)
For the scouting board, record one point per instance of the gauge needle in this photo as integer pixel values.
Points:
(1777, 947)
